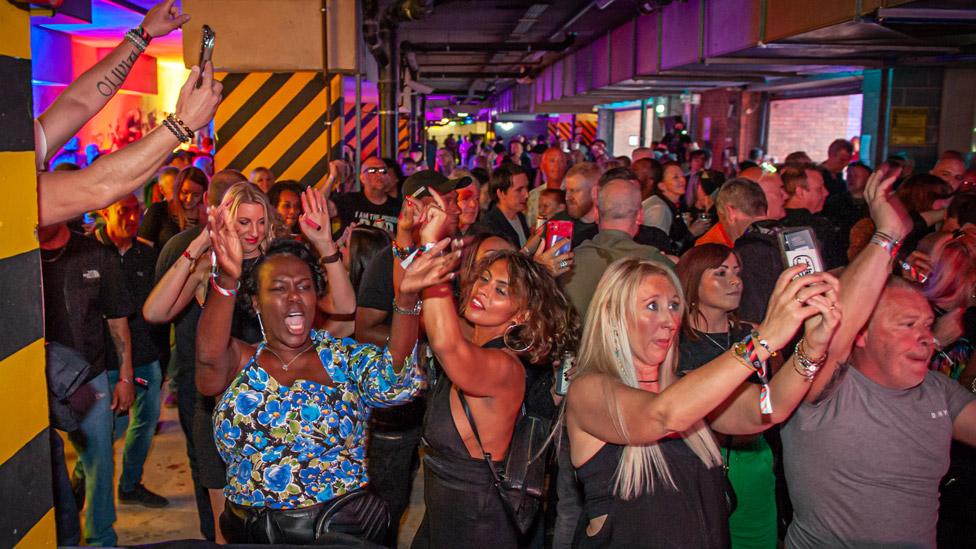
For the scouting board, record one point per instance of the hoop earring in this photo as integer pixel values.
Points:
(506, 338)
(264, 336)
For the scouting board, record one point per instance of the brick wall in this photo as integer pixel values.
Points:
(811, 124)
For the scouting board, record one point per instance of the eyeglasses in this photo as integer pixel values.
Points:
(382, 171)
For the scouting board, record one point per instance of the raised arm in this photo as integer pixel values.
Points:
(81, 100)
(739, 415)
(67, 194)
(176, 288)
(218, 354)
(863, 280)
(650, 416)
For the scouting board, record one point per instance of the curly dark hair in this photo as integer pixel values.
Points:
(282, 246)
(553, 324)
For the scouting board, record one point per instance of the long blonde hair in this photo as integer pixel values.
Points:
(246, 192)
(605, 349)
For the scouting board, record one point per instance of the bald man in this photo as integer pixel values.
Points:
(620, 214)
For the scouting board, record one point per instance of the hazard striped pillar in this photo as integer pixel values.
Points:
(279, 121)
(26, 513)
(369, 128)
(585, 126)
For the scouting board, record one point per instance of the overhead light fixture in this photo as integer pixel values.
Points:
(506, 126)
(659, 108)
(452, 123)
(445, 120)
(462, 114)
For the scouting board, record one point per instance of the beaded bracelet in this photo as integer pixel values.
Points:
(401, 252)
(181, 124)
(171, 126)
(186, 254)
(405, 263)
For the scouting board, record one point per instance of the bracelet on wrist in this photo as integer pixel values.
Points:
(763, 343)
(136, 39)
(331, 258)
(143, 33)
(805, 366)
(746, 352)
(125, 380)
(401, 252)
(415, 311)
(886, 242)
(172, 127)
(182, 125)
(224, 291)
(186, 254)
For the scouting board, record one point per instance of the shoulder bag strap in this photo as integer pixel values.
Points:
(477, 437)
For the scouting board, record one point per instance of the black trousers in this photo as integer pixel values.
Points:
(186, 402)
(392, 463)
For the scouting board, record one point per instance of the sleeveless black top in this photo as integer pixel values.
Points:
(445, 455)
(694, 515)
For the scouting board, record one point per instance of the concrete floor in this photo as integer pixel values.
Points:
(168, 474)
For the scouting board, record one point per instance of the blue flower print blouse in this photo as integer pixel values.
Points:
(291, 447)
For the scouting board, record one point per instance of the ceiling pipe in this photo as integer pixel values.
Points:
(425, 47)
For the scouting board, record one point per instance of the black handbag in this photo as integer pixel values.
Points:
(521, 484)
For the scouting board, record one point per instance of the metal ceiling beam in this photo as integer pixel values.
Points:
(865, 62)
(451, 47)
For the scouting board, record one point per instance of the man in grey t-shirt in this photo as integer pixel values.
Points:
(864, 454)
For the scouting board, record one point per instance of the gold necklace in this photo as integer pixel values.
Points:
(285, 365)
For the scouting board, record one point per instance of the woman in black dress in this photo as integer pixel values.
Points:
(648, 464)
(165, 219)
(518, 317)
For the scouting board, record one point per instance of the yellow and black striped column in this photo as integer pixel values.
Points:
(26, 513)
(369, 129)
(279, 121)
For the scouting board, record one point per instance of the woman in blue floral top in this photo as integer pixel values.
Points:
(291, 422)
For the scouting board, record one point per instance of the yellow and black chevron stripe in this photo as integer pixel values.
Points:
(279, 121)
(560, 130)
(27, 516)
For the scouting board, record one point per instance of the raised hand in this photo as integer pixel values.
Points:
(225, 242)
(196, 106)
(431, 268)
(555, 264)
(163, 19)
(315, 222)
(887, 211)
(789, 307)
(434, 219)
(819, 328)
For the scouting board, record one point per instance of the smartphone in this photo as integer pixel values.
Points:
(556, 231)
(561, 383)
(799, 247)
(206, 49)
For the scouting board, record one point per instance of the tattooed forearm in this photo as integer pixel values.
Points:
(117, 74)
(118, 328)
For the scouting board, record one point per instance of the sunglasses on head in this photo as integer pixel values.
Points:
(377, 170)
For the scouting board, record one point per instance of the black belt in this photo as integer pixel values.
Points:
(359, 515)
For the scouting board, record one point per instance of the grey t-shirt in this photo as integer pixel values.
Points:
(863, 464)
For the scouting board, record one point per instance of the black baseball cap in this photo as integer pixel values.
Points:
(423, 180)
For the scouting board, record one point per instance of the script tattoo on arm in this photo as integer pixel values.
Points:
(111, 83)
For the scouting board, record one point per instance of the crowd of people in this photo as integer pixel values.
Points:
(322, 342)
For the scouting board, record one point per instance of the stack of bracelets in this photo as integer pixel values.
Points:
(179, 128)
(746, 352)
(804, 365)
(889, 243)
(407, 255)
(139, 38)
